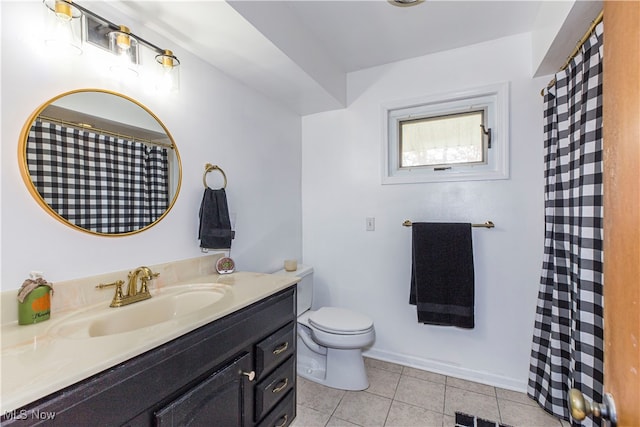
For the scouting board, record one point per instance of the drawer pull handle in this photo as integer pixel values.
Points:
(281, 348)
(284, 419)
(251, 375)
(282, 386)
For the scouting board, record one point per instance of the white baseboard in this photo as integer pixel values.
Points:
(449, 370)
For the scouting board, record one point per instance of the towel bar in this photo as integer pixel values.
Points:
(208, 168)
(487, 224)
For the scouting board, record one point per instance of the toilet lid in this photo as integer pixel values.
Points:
(340, 321)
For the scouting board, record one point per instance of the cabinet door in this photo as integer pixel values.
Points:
(223, 399)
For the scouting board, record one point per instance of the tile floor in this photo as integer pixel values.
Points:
(408, 397)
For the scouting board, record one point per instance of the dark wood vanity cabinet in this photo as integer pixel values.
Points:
(236, 371)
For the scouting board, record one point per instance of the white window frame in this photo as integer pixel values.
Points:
(494, 99)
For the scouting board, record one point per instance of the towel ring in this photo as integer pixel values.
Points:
(208, 168)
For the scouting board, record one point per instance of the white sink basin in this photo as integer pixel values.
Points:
(170, 304)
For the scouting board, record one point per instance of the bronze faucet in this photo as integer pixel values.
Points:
(133, 294)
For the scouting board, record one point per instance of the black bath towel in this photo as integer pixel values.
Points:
(442, 277)
(215, 225)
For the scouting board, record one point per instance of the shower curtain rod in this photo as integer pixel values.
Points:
(80, 126)
(584, 38)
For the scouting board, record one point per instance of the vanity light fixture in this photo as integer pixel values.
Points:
(124, 47)
(63, 27)
(121, 40)
(88, 27)
(169, 79)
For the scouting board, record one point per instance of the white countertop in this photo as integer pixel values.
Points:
(37, 360)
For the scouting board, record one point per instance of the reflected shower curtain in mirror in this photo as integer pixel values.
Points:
(567, 349)
(101, 183)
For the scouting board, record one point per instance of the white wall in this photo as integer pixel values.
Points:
(557, 28)
(370, 271)
(213, 119)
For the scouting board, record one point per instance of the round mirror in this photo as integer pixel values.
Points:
(100, 162)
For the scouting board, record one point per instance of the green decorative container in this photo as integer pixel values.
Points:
(34, 301)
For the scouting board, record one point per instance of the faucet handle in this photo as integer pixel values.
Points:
(151, 275)
(117, 297)
(117, 284)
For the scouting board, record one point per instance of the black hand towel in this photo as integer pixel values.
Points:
(442, 277)
(215, 225)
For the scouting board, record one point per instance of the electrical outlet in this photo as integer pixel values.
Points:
(371, 224)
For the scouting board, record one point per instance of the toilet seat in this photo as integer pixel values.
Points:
(340, 321)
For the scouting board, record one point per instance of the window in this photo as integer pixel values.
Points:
(442, 140)
(456, 137)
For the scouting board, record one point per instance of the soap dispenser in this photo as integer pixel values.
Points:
(34, 301)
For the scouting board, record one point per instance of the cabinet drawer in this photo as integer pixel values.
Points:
(275, 349)
(283, 414)
(274, 387)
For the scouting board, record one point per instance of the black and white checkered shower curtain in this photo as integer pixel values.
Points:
(98, 182)
(567, 349)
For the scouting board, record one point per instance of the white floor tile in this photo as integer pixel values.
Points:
(471, 386)
(515, 396)
(337, 422)
(382, 382)
(364, 409)
(424, 375)
(519, 415)
(380, 364)
(318, 397)
(417, 392)
(307, 417)
(472, 403)
(404, 415)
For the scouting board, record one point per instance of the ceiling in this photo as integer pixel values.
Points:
(299, 52)
(363, 34)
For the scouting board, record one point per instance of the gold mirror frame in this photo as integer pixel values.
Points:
(24, 167)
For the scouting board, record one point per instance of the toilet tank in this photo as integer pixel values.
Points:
(305, 286)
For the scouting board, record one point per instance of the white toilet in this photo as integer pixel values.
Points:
(330, 339)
